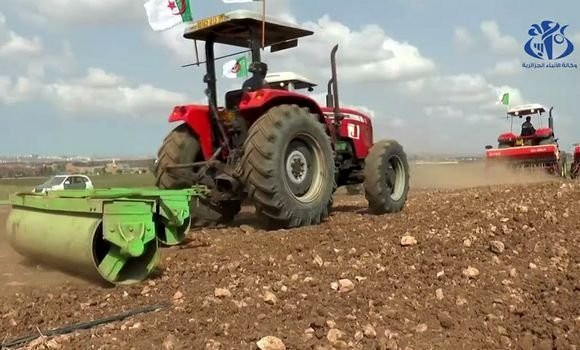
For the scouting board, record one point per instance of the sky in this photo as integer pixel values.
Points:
(90, 77)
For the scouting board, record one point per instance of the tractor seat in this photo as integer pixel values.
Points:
(233, 99)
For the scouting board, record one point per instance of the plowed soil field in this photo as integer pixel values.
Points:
(464, 266)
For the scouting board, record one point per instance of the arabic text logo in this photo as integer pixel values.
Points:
(548, 41)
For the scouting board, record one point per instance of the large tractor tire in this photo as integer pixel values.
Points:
(288, 168)
(181, 147)
(386, 178)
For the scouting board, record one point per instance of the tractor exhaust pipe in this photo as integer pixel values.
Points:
(329, 97)
(551, 120)
(335, 81)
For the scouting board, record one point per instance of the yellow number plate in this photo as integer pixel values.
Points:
(211, 21)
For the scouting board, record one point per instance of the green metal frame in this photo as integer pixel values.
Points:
(130, 221)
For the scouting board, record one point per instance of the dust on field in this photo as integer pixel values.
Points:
(466, 175)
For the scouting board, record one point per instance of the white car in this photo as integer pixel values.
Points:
(65, 182)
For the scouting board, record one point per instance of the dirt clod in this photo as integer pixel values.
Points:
(497, 247)
(408, 241)
(471, 272)
(369, 331)
(270, 343)
(222, 293)
(445, 319)
(345, 285)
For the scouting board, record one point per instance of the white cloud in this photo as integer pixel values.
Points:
(28, 56)
(100, 92)
(506, 68)
(499, 43)
(18, 46)
(98, 78)
(463, 38)
(495, 120)
(17, 90)
(365, 55)
(83, 11)
(461, 88)
(458, 89)
(445, 112)
(14, 45)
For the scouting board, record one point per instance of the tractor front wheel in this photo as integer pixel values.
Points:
(182, 147)
(288, 167)
(386, 178)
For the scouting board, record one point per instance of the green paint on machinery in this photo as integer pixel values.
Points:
(111, 234)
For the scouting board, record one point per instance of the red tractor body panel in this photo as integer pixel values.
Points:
(252, 106)
(544, 133)
(511, 138)
(355, 127)
(198, 119)
(524, 152)
(507, 137)
(255, 104)
(577, 154)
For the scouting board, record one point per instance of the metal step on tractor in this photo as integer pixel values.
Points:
(536, 148)
(271, 145)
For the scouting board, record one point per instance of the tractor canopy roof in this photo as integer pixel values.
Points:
(524, 110)
(238, 27)
(285, 78)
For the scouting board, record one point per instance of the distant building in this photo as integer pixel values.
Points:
(72, 168)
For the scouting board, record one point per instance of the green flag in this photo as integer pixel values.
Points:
(505, 100)
(237, 68)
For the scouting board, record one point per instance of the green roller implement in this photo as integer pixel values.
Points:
(110, 234)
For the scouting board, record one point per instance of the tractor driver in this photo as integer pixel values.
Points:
(527, 127)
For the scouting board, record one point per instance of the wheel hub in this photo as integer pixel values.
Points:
(296, 167)
(395, 178)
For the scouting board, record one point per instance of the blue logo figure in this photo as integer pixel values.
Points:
(548, 41)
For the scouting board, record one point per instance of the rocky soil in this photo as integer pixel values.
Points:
(478, 268)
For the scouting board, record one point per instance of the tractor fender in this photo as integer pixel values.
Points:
(197, 117)
(544, 132)
(507, 137)
(260, 101)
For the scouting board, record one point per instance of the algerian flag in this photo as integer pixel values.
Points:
(237, 68)
(165, 14)
(505, 99)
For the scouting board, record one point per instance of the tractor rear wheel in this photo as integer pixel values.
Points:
(181, 147)
(288, 167)
(386, 177)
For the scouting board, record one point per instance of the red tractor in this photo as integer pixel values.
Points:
(575, 168)
(271, 145)
(536, 149)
